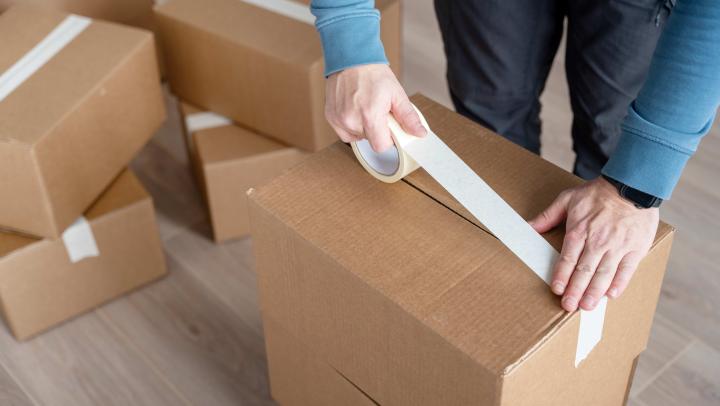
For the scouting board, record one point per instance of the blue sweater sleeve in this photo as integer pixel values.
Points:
(677, 103)
(349, 32)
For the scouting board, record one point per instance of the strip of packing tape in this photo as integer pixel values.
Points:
(202, 121)
(288, 8)
(429, 152)
(41, 53)
(80, 241)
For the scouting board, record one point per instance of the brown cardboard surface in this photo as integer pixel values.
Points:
(301, 378)
(262, 69)
(71, 127)
(138, 13)
(228, 161)
(40, 287)
(418, 306)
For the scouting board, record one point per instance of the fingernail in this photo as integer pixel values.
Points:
(569, 302)
(612, 293)
(588, 301)
(558, 288)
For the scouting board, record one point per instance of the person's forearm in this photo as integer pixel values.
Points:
(677, 103)
(349, 32)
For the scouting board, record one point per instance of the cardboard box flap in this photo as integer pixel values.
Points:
(10, 242)
(229, 142)
(527, 182)
(69, 73)
(125, 191)
(222, 144)
(239, 22)
(454, 277)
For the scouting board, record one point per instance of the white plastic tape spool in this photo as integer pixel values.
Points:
(429, 152)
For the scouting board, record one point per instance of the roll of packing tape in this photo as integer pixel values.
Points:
(394, 163)
(410, 152)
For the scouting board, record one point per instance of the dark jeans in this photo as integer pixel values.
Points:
(499, 54)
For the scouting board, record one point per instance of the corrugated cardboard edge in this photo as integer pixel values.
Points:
(568, 317)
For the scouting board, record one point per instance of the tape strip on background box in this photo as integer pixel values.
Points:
(202, 121)
(41, 53)
(80, 241)
(430, 153)
(287, 8)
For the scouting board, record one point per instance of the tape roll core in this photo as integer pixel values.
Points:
(393, 164)
(386, 163)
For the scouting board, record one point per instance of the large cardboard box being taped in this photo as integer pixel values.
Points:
(228, 160)
(138, 13)
(414, 303)
(299, 377)
(112, 249)
(71, 126)
(260, 68)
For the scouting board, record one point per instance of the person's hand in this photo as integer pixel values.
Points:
(606, 237)
(358, 101)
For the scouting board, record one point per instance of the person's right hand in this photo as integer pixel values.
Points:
(358, 101)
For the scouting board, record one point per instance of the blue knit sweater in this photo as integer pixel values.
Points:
(664, 125)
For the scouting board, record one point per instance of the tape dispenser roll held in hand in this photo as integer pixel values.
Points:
(410, 153)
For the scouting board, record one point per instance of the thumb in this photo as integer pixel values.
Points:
(553, 215)
(407, 117)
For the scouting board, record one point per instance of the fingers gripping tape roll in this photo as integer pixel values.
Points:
(410, 152)
(395, 163)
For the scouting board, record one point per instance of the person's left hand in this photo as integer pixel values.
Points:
(606, 237)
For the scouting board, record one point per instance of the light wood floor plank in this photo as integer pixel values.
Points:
(666, 343)
(225, 269)
(11, 394)
(194, 340)
(691, 380)
(177, 199)
(84, 362)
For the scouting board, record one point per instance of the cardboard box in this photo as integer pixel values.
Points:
(74, 124)
(138, 13)
(41, 286)
(299, 377)
(262, 69)
(228, 160)
(415, 304)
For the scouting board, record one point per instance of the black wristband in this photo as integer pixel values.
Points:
(640, 199)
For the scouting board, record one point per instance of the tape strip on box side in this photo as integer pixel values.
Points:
(201, 121)
(41, 53)
(80, 241)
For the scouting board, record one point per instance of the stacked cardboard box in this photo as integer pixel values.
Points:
(78, 98)
(260, 65)
(228, 160)
(392, 294)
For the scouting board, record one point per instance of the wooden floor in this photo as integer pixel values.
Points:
(195, 337)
